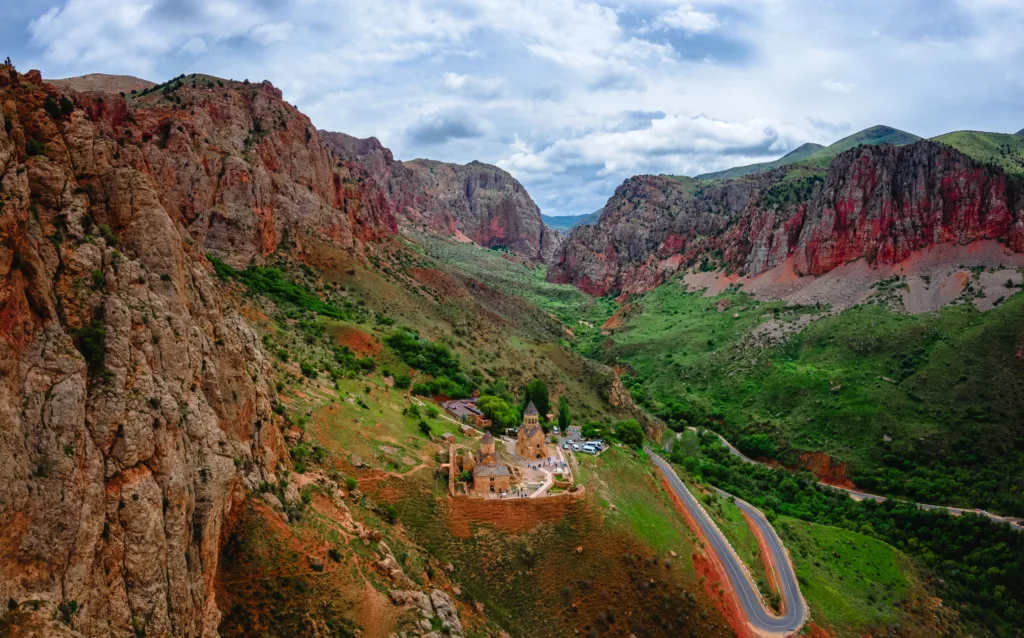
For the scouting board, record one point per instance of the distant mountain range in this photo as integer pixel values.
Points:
(566, 223)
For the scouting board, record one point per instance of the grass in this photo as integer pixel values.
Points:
(851, 582)
(625, 481)
(796, 155)
(951, 409)
(873, 135)
(492, 267)
(1003, 150)
(737, 531)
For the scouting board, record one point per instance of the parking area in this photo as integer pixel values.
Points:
(574, 441)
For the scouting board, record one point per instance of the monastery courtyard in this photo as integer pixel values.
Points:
(528, 466)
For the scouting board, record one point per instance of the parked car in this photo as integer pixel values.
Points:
(589, 448)
(575, 447)
(555, 429)
(565, 446)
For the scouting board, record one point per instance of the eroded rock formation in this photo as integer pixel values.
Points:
(881, 203)
(135, 403)
(480, 201)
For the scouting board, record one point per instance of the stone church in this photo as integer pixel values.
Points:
(530, 438)
(490, 475)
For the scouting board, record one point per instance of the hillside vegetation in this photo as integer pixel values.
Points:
(924, 406)
(799, 153)
(854, 572)
(820, 156)
(1005, 151)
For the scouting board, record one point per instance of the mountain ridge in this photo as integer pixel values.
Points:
(474, 201)
(799, 153)
(810, 153)
(655, 225)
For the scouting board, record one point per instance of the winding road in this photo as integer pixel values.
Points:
(758, 616)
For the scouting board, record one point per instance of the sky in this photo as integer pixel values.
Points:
(570, 96)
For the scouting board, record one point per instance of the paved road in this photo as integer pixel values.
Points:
(750, 599)
(1015, 524)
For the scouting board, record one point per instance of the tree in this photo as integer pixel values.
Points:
(630, 432)
(564, 417)
(757, 446)
(498, 411)
(592, 430)
(425, 428)
(537, 391)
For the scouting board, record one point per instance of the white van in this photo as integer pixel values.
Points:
(591, 448)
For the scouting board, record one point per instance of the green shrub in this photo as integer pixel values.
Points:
(757, 446)
(630, 433)
(388, 512)
(91, 341)
(109, 236)
(34, 147)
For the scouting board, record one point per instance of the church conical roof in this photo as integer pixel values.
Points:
(531, 410)
(488, 439)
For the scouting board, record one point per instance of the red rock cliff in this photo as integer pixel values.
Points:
(881, 203)
(481, 201)
(135, 402)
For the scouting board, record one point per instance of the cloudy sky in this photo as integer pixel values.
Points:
(571, 96)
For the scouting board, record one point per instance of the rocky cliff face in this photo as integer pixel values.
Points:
(135, 403)
(480, 201)
(881, 203)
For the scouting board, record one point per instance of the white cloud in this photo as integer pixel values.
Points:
(271, 32)
(673, 143)
(556, 90)
(838, 87)
(473, 86)
(689, 19)
(195, 46)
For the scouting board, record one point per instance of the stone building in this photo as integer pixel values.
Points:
(490, 475)
(530, 437)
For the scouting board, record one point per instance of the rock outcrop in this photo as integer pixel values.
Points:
(475, 201)
(135, 403)
(881, 203)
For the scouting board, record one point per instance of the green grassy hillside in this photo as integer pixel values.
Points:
(819, 156)
(850, 581)
(328, 327)
(1005, 151)
(927, 406)
(801, 152)
(874, 135)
